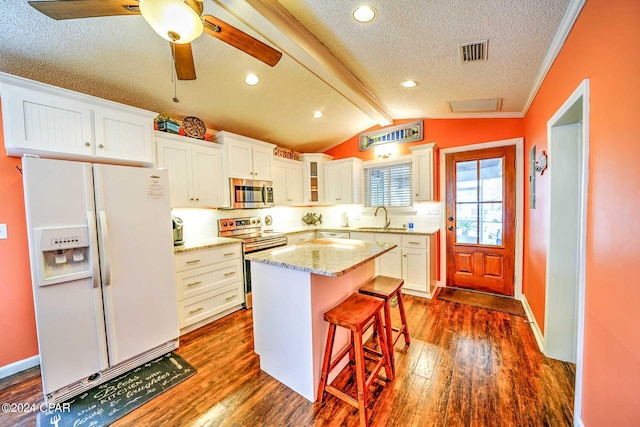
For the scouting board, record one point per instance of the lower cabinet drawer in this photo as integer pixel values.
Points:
(205, 279)
(195, 309)
(202, 257)
(415, 242)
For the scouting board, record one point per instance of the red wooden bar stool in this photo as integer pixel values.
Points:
(386, 288)
(356, 314)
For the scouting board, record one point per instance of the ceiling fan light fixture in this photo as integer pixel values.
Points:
(365, 14)
(173, 20)
(318, 114)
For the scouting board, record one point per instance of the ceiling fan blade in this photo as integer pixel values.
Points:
(71, 9)
(183, 57)
(240, 40)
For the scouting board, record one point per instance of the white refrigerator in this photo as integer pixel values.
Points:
(101, 250)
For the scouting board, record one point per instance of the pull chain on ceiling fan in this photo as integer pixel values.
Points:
(161, 16)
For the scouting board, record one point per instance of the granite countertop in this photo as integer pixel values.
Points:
(424, 230)
(325, 257)
(211, 242)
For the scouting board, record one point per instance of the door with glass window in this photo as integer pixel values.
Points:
(480, 220)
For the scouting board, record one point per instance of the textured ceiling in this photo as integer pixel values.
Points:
(122, 59)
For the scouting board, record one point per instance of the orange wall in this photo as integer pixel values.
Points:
(600, 47)
(444, 132)
(18, 332)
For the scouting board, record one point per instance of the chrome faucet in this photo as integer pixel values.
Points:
(387, 221)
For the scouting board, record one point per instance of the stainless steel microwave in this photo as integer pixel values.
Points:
(249, 194)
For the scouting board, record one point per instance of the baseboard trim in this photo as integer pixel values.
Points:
(532, 322)
(19, 366)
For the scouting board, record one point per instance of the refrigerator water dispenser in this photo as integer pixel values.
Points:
(64, 254)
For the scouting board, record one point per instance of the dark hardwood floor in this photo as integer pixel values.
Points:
(465, 367)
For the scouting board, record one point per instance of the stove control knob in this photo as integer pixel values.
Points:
(253, 221)
(224, 224)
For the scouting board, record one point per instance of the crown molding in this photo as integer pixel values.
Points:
(569, 19)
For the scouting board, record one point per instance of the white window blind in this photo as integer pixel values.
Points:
(388, 185)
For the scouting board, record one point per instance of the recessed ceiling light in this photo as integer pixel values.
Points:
(409, 83)
(252, 79)
(318, 114)
(365, 14)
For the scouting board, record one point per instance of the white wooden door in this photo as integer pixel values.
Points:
(415, 269)
(123, 136)
(46, 123)
(262, 163)
(332, 184)
(176, 159)
(206, 165)
(239, 160)
(280, 196)
(423, 175)
(294, 184)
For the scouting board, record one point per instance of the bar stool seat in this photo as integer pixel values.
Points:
(357, 313)
(386, 288)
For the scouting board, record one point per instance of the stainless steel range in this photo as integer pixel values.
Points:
(249, 229)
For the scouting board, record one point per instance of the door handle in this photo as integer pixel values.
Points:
(450, 227)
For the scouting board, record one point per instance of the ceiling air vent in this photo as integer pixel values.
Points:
(474, 51)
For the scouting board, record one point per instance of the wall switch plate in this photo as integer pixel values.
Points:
(3, 231)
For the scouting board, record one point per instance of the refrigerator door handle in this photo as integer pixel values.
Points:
(104, 249)
(93, 239)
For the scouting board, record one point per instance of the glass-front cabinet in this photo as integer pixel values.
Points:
(313, 177)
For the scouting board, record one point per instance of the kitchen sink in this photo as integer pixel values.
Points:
(382, 229)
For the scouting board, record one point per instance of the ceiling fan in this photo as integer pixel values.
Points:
(156, 12)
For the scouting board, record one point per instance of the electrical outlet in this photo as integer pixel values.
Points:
(433, 210)
(3, 231)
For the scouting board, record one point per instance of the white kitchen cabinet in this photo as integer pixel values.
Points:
(313, 177)
(297, 238)
(423, 169)
(195, 170)
(414, 269)
(343, 181)
(57, 123)
(246, 158)
(390, 264)
(210, 284)
(413, 260)
(287, 182)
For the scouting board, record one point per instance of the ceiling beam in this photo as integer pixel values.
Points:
(276, 24)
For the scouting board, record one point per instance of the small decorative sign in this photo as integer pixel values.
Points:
(408, 132)
(286, 153)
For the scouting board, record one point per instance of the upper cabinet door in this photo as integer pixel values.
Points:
(41, 123)
(423, 165)
(262, 160)
(176, 159)
(294, 184)
(123, 136)
(207, 176)
(239, 159)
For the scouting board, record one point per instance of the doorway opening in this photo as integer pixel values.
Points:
(568, 145)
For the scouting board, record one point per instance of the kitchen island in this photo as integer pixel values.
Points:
(293, 286)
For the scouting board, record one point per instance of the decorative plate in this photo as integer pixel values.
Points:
(194, 127)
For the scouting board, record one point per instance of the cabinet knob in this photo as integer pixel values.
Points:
(416, 194)
(88, 144)
(197, 199)
(101, 145)
(192, 199)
